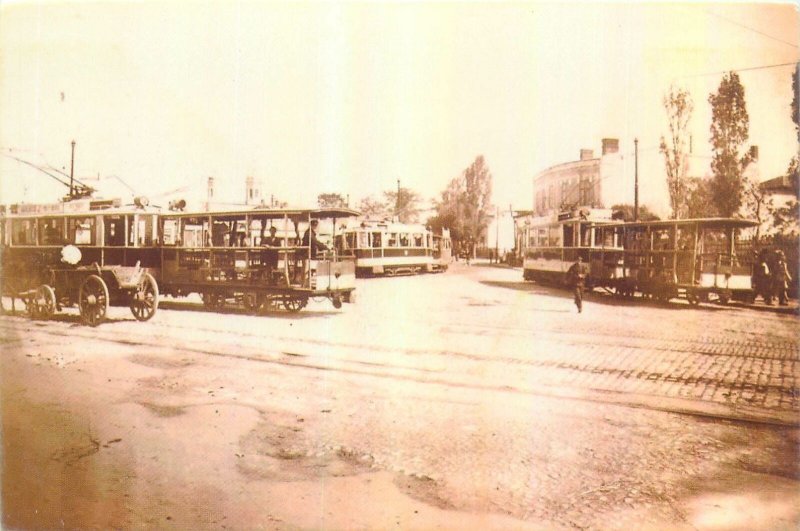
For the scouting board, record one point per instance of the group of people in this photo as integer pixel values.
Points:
(771, 276)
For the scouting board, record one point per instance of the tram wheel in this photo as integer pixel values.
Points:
(43, 303)
(213, 300)
(93, 300)
(145, 300)
(252, 301)
(693, 298)
(295, 304)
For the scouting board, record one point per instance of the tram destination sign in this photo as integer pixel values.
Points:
(64, 208)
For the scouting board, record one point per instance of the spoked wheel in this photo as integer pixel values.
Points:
(145, 300)
(295, 304)
(43, 304)
(213, 300)
(252, 302)
(93, 300)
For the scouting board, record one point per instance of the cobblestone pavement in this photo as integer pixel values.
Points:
(481, 393)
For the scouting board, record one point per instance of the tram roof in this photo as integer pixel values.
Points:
(271, 213)
(705, 222)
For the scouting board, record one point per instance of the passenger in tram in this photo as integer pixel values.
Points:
(270, 257)
(310, 239)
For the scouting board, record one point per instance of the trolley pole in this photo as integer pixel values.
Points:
(72, 171)
(636, 179)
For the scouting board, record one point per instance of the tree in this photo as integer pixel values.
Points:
(756, 202)
(700, 198)
(331, 201)
(625, 212)
(678, 104)
(729, 132)
(465, 205)
(404, 203)
(373, 209)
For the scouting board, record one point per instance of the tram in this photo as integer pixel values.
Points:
(553, 243)
(388, 248)
(228, 258)
(695, 259)
(89, 253)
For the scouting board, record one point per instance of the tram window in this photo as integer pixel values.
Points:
(376, 239)
(169, 231)
(51, 231)
(568, 233)
(81, 231)
(403, 240)
(418, 240)
(662, 240)
(392, 240)
(363, 238)
(350, 240)
(192, 232)
(585, 235)
(555, 237)
(219, 233)
(23, 232)
(114, 234)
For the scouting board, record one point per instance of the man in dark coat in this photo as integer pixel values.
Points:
(310, 238)
(576, 276)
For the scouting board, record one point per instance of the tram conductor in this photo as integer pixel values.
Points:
(272, 242)
(576, 276)
(310, 238)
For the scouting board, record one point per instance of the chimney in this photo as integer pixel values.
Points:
(754, 153)
(610, 145)
(587, 154)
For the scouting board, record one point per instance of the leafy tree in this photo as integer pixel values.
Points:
(729, 132)
(373, 209)
(625, 212)
(405, 203)
(331, 201)
(700, 198)
(465, 205)
(678, 104)
(756, 202)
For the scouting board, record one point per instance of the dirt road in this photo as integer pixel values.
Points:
(463, 400)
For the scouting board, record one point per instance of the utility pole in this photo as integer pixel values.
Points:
(636, 179)
(72, 171)
(497, 234)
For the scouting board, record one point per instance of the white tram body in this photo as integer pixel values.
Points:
(388, 248)
(552, 243)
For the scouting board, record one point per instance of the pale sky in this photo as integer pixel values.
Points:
(348, 98)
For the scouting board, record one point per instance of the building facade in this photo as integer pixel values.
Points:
(589, 181)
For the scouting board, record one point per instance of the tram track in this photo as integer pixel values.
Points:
(479, 371)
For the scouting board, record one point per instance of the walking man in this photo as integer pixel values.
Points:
(576, 276)
(782, 279)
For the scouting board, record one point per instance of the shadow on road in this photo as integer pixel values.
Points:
(597, 297)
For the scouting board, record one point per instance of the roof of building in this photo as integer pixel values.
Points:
(784, 184)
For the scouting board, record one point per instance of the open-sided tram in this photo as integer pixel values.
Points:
(261, 259)
(695, 259)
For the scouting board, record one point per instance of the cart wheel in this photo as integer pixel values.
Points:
(145, 300)
(252, 301)
(93, 300)
(43, 304)
(295, 304)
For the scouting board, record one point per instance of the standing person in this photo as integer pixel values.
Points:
(576, 276)
(782, 278)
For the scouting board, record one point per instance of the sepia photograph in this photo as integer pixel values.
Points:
(429, 265)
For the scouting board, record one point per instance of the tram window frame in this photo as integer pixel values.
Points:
(87, 226)
(376, 240)
(404, 239)
(392, 239)
(51, 231)
(417, 238)
(169, 231)
(117, 239)
(28, 230)
(363, 240)
(192, 237)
